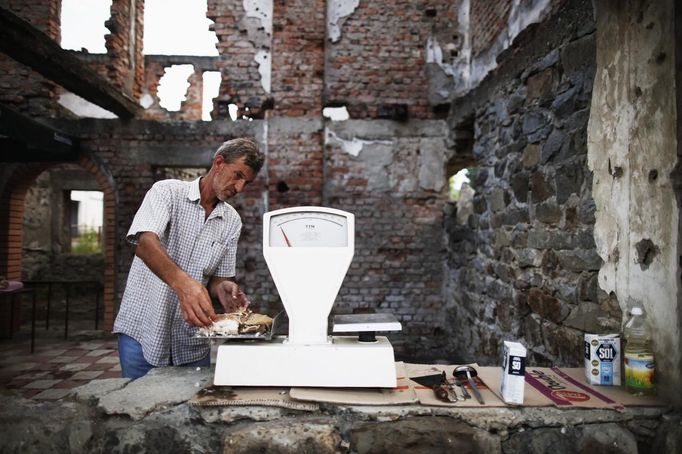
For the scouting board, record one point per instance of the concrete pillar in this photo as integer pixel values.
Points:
(633, 143)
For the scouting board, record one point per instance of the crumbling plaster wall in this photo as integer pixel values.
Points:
(244, 32)
(191, 108)
(376, 56)
(633, 145)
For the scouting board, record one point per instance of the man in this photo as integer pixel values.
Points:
(186, 238)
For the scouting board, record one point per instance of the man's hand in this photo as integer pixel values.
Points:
(195, 303)
(230, 296)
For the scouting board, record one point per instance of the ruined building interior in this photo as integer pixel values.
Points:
(564, 113)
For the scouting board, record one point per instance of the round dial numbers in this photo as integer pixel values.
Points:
(308, 229)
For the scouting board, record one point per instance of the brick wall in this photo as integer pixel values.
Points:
(488, 20)
(124, 46)
(238, 42)
(298, 82)
(21, 88)
(377, 68)
(399, 250)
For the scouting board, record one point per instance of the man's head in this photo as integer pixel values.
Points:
(234, 149)
(235, 164)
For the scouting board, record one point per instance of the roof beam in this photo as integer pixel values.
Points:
(30, 46)
(23, 139)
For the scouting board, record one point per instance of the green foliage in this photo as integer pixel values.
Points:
(87, 243)
(454, 193)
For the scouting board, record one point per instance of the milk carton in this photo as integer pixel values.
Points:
(513, 373)
(602, 359)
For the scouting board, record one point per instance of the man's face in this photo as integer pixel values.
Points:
(231, 178)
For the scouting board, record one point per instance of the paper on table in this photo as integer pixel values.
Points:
(401, 394)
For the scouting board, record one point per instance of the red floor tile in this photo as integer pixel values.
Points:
(76, 352)
(28, 393)
(100, 366)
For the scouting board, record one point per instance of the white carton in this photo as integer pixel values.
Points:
(513, 373)
(602, 359)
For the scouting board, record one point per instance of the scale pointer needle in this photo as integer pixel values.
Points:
(285, 237)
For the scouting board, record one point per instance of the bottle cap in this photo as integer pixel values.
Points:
(636, 311)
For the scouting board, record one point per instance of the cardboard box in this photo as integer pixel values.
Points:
(513, 373)
(602, 359)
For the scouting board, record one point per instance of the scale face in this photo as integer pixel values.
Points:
(308, 229)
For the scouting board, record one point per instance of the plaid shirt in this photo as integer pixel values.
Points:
(150, 310)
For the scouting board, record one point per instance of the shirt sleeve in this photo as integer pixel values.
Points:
(153, 215)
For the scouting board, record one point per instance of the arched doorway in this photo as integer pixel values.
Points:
(12, 211)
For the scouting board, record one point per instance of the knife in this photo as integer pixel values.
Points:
(469, 373)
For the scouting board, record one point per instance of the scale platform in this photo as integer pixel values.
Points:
(308, 251)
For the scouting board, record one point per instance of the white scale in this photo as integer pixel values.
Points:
(308, 251)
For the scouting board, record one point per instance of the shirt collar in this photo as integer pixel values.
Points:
(194, 195)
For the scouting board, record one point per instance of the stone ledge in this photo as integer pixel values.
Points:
(152, 415)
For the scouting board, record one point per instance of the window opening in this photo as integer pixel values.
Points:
(211, 90)
(456, 182)
(178, 27)
(82, 25)
(461, 193)
(232, 110)
(173, 86)
(86, 210)
(336, 113)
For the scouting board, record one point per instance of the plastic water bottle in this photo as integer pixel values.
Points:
(639, 355)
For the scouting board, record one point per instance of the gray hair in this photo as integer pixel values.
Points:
(235, 149)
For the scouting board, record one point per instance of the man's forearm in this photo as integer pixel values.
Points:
(152, 253)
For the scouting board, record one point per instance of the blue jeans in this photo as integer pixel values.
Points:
(133, 364)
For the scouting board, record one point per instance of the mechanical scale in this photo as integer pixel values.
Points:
(308, 251)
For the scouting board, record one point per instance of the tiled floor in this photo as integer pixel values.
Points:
(57, 365)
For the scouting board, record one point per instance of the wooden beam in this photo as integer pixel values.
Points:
(23, 139)
(28, 45)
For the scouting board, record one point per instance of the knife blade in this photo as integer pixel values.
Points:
(474, 388)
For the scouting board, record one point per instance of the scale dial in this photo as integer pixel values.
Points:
(308, 229)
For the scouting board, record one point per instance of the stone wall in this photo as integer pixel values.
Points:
(524, 266)
(152, 415)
